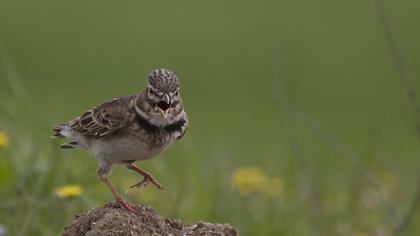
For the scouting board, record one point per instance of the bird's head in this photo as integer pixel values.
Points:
(163, 93)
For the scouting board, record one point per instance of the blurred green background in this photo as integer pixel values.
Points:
(299, 123)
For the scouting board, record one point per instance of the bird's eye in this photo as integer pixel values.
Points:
(176, 93)
(151, 91)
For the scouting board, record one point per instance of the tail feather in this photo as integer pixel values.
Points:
(69, 145)
(60, 131)
(63, 131)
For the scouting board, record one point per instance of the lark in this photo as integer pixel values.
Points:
(129, 129)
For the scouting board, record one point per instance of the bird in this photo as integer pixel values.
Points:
(130, 128)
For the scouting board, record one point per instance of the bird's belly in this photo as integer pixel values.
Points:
(125, 149)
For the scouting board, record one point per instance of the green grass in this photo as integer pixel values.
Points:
(344, 146)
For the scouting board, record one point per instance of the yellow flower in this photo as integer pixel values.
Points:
(4, 140)
(253, 180)
(68, 191)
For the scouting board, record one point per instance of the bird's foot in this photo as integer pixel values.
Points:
(128, 206)
(148, 179)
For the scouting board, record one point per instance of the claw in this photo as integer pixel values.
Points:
(128, 206)
(138, 185)
(148, 178)
(146, 181)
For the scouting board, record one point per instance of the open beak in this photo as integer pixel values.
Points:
(164, 106)
(164, 113)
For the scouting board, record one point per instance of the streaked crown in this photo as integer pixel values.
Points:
(163, 80)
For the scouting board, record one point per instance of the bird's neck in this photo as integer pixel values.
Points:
(145, 113)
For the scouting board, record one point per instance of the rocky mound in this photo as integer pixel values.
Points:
(110, 219)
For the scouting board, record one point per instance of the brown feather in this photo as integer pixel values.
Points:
(104, 119)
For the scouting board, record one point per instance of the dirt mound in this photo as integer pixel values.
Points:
(110, 219)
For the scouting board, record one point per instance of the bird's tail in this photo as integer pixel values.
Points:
(69, 145)
(60, 131)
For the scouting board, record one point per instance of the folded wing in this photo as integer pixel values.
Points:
(104, 119)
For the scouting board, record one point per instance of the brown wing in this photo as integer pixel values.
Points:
(104, 119)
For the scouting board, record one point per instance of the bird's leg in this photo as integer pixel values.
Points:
(148, 178)
(118, 198)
